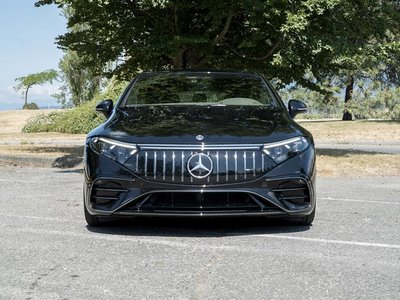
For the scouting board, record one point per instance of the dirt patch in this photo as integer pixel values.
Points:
(41, 150)
(345, 132)
(358, 165)
(12, 121)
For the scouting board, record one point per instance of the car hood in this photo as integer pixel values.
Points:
(171, 124)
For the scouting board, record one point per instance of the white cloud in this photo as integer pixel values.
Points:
(44, 90)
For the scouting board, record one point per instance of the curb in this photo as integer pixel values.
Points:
(63, 162)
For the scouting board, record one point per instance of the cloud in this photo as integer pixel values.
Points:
(44, 90)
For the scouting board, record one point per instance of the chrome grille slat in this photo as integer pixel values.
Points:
(254, 164)
(245, 164)
(191, 178)
(163, 171)
(145, 164)
(217, 156)
(208, 178)
(236, 167)
(155, 165)
(227, 167)
(262, 162)
(182, 166)
(173, 165)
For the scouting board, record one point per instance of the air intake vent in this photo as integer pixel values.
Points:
(200, 202)
(294, 191)
(106, 192)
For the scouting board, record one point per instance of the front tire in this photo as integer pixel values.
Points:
(306, 220)
(92, 221)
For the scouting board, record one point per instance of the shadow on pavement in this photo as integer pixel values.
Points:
(344, 152)
(196, 227)
(69, 171)
(68, 150)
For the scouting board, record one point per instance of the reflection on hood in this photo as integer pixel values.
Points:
(163, 121)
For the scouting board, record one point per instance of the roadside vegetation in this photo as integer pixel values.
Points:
(80, 119)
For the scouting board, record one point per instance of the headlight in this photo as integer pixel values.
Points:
(115, 150)
(283, 150)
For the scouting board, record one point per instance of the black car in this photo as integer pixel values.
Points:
(199, 143)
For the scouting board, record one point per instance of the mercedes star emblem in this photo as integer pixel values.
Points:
(200, 165)
(199, 137)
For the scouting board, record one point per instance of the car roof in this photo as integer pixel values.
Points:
(191, 71)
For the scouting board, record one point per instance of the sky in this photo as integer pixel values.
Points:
(27, 45)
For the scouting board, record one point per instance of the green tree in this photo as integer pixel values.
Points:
(285, 39)
(80, 84)
(40, 78)
(279, 38)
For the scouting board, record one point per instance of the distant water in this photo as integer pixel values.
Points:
(7, 106)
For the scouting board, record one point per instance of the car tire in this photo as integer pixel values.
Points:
(92, 221)
(307, 220)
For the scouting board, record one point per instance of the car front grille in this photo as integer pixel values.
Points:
(230, 165)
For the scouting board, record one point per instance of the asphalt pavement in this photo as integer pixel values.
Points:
(46, 251)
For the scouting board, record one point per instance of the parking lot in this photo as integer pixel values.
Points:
(47, 252)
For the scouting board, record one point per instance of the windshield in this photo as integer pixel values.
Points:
(200, 88)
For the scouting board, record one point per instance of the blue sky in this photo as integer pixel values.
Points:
(27, 36)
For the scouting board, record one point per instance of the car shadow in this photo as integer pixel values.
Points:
(197, 227)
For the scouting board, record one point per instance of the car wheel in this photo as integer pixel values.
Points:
(307, 220)
(92, 221)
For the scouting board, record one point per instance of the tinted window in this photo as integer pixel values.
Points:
(200, 89)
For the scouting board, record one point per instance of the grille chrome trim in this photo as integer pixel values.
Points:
(254, 164)
(245, 164)
(217, 157)
(163, 169)
(155, 165)
(182, 166)
(145, 164)
(200, 147)
(227, 166)
(173, 165)
(236, 167)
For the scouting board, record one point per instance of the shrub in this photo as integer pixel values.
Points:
(32, 105)
(80, 119)
(395, 113)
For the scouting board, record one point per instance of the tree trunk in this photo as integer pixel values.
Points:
(180, 59)
(347, 116)
(26, 95)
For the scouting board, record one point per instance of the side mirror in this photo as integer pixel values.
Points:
(105, 107)
(296, 107)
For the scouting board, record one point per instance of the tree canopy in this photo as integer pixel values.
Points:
(80, 84)
(40, 78)
(284, 39)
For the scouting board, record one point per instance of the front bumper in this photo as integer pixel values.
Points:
(111, 189)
